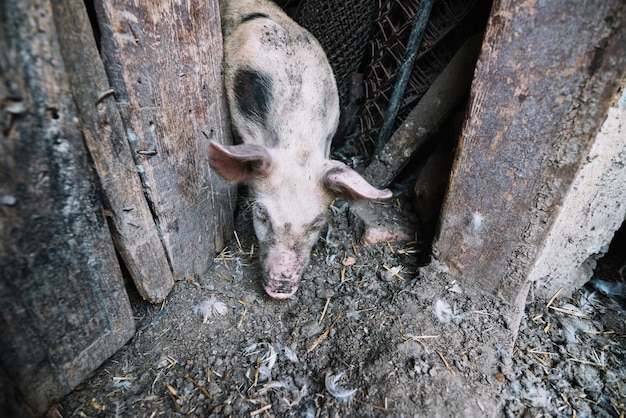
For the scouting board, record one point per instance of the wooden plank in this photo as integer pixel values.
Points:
(591, 213)
(164, 61)
(63, 306)
(544, 81)
(133, 228)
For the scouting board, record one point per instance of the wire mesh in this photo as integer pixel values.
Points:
(370, 37)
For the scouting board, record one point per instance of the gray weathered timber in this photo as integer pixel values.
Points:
(591, 213)
(132, 226)
(164, 62)
(544, 81)
(63, 306)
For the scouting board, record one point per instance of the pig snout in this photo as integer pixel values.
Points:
(282, 269)
(285, 248)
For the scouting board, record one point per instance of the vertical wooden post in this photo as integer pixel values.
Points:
(63, 306)
(591, 213)
(543, 83)
(164, 62)
(133, 228)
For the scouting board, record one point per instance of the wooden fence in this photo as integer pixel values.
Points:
(96, 160)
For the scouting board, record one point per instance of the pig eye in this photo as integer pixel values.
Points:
(260, 214)
(319, 222)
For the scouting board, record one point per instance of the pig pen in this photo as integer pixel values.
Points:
(375, 329)
(370, 332)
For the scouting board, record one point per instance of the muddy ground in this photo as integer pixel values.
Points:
(369, 333)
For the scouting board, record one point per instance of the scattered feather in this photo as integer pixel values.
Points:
(571, 325)
(328, 240)
(477, 221)
(600, 359)
(272, 385)
(589, 302)
(301, 394)
(580, 311)
(455, 288)
(575, 318)
(122, 384)
(332, 386)
(290, 354)
(392, 272)
(537, 396)
(238, 267)
(310, 412)
(210, 308)
(354, 315)
(443, 311)
(166, 362)
(339, 210)
(266, 355)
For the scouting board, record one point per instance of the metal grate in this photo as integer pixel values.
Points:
(343, 29)
(392, 27)
(370, 37)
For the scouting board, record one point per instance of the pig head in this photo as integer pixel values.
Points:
(285, 109)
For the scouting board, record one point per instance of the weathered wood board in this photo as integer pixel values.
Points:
(164, 62)
(544, 81)
(133, 228)
(63, 306)
(591, 213)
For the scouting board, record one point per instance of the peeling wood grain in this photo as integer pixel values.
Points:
(164, 60)
(133, 228)
(63, 306)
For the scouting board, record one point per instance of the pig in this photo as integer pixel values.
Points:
(284, 108)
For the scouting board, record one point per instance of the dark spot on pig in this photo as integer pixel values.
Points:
(288, 227)
(283, 287)
(324, 109)
(253, 92)
(253, 16)
(257, 166)
(294, 80)
(276, 38)
(303, 38)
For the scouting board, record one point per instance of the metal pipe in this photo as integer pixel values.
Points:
(404, 74)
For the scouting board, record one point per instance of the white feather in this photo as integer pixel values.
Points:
(332, 386)
(267, 359)
(209, 308)
(442, 311)
(272, 385)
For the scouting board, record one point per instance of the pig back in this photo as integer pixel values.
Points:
(280, 87)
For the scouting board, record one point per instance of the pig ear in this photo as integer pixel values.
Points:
(239, 162)
(347, 183)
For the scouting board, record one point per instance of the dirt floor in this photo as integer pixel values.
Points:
(369, 333)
